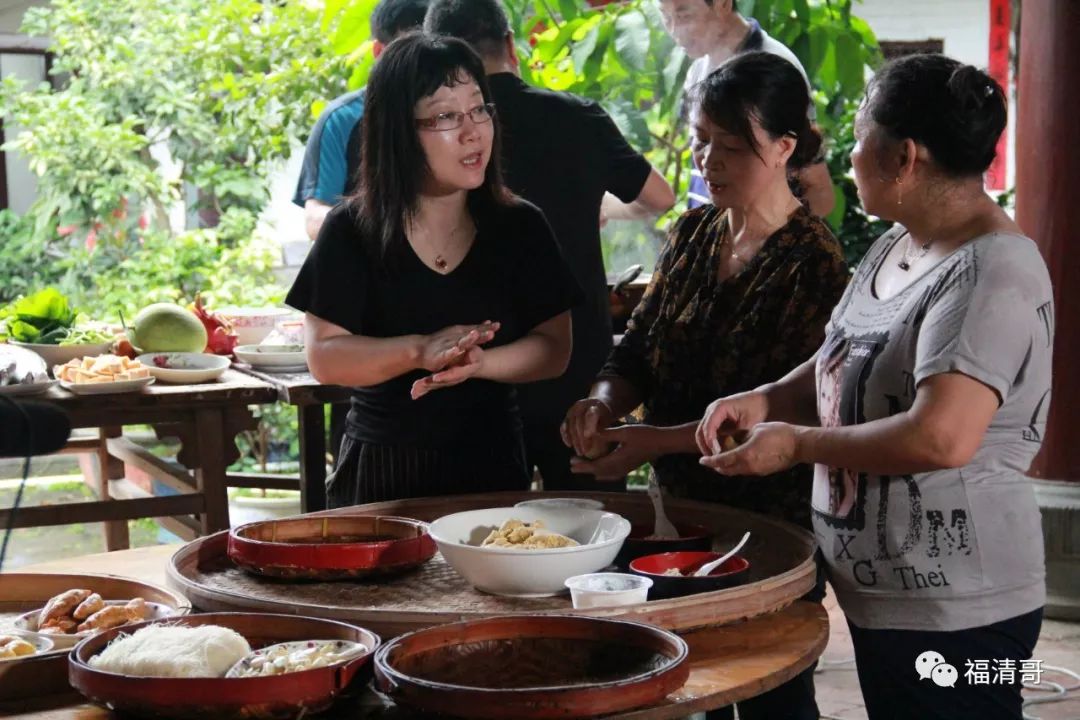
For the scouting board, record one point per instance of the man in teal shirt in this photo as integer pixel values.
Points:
(332, 157)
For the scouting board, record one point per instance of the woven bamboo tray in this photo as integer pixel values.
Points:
(781, 556)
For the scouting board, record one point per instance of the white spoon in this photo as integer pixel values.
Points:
(662, 528)
(712, 565)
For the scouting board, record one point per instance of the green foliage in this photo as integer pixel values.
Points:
(619, 55)
(224, 89)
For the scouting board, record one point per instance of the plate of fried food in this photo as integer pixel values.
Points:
(103, 375)
(72, 615)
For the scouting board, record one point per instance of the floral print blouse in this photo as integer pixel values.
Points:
(694, 338)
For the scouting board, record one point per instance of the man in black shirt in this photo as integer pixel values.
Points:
(563, 154)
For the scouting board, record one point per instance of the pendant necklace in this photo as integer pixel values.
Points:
(907, 258)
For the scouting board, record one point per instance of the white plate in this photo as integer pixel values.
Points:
(185, 368)
(107, 388)
(26, 388)
(281, 369)
(347, 649)
(41, 643)
(265, 357)
(27, 623)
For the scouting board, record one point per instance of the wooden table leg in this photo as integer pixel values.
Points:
(312, 457)
(111, 468)
(210, 469)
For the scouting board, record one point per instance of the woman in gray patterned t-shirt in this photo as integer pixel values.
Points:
(923, 410)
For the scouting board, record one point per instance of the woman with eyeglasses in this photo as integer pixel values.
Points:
(432, 289)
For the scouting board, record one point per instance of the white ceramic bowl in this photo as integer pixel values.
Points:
(561, 503)
(253, 324)
(608, 589)
(62, 354)
(528, 573)
(184, 367)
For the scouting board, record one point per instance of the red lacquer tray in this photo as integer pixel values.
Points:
(331, 548)
(257, 698)
(554, 666)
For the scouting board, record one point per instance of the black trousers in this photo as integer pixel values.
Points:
(893, 686)
(545, 450)
(371, 472)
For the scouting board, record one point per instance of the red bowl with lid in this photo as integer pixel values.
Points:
(338, 547)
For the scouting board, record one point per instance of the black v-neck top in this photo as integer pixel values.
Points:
(513, 274)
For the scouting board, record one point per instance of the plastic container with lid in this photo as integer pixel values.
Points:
(608, 589)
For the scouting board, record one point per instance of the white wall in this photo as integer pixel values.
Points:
(963, 25)
(11, 13)
(21, 182)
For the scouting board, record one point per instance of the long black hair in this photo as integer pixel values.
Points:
(393, 165)
(769, 88)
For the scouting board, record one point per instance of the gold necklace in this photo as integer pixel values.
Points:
(441, 262)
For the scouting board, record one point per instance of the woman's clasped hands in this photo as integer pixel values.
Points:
(452, 355)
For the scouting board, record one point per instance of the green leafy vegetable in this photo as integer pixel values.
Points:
(44, 317)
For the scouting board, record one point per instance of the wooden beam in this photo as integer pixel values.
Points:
(80, 446)
(152, 465)
(111, 511)
(263, 480)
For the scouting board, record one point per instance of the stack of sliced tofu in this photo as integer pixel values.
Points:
(101, 369)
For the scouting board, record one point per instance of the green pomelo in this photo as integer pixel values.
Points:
(165, 327)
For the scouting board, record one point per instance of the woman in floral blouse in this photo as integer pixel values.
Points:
(739, 296)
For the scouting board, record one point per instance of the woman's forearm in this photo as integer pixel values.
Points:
(896, 445)
(534, 357)
(793, 398)
(619, 394)
(359, 361)
(678, 439)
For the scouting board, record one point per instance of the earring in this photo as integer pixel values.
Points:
(899, 192)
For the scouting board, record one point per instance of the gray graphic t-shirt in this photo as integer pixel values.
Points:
(955, 548)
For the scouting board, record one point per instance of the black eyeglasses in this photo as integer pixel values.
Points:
(453, 120)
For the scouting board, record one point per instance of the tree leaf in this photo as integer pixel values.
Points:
(632, 39)
(583, 50)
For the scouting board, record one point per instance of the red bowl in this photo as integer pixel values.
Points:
(256, 698)
(639, 544)
(734, 571)
(341, 547)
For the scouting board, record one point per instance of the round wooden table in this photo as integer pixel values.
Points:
(728, 663)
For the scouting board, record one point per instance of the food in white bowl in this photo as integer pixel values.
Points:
(184, 367)
(528, 572)
(252, 325)
(608, 589)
